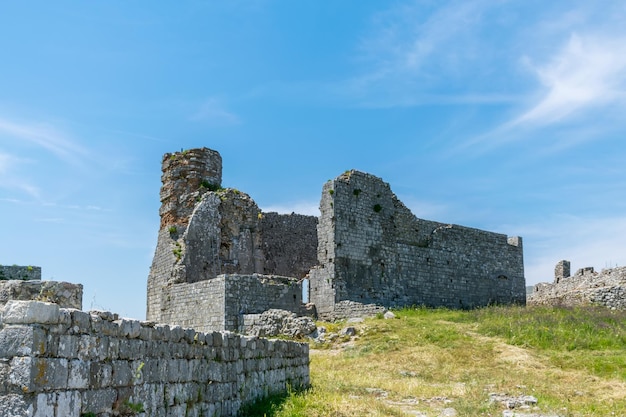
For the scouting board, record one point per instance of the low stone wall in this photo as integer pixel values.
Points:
(219, 304)
(586, 287)
(57, 362)
(19, 272)
(64, 294)
(351, 309)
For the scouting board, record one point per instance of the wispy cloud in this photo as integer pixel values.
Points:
(212, 111)
(8, 180)
(586, 73)
(414, 48)
(45, 136)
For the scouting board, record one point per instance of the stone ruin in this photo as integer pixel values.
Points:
(59, 361)
(24, 283)
(586, 287)
(220, 261)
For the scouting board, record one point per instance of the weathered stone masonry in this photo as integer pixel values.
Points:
(373, 250)
(16, 272)
(57, 362)
(209, 233)
(369, 253)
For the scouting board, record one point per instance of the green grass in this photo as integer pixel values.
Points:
(572, 360)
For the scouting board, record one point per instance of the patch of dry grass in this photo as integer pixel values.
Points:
(427, 360)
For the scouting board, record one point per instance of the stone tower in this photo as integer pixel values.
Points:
(561, 271)
(207, 231)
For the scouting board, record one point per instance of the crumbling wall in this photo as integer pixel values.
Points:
(289, 243)
(57, 362)
(16, 272)
(586, 287)
(220, 303)
(64, 294)
(214, 231)
(373, 250)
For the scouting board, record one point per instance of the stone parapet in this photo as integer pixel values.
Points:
(57, 362)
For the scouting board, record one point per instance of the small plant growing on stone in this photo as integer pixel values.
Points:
(377, 208)
(135, 408)
(356, 191)
(172, 230)
(139, 371)
(331, 192)
(178, 251)
(29, 268)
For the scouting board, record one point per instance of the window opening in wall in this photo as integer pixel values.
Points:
(501, 276)
(305, 290)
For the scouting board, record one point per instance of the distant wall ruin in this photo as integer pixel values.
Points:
(586, 287)
(373, 250)
(22, 273)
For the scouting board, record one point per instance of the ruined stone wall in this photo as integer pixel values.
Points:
(289, 244)
(219, 303)
(16, 272)
(373, 250)
(214, 231)
(68, 363)
(64, 294)
(586, 287)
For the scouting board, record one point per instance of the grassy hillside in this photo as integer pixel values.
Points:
(424, 362)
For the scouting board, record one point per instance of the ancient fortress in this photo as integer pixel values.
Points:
(220, 261)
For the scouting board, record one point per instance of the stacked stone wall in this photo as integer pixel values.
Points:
(586, 287)
(23, 273)
(64, 294)
(220, 303)
(373, 250)
(57, 362)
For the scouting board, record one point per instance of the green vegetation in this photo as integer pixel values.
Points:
(356, 191)
(377, 208)
(211, 187)
(172, 230)
(572, 360)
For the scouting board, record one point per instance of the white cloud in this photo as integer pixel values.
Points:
(213, 112)
(45, 136)
(586, 73)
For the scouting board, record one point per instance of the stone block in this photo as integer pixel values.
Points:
(69, 404)
(22, 341)
(44, 406)
(49, 374)
(78, 374)
(29, 312)
(16, 405)
(98, 401)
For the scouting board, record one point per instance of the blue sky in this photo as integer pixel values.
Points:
(500, 115)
